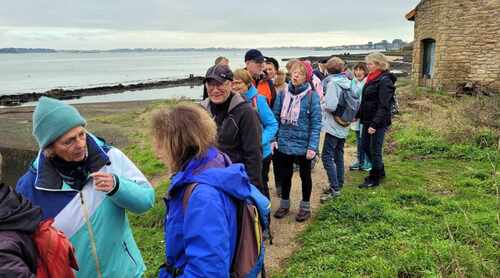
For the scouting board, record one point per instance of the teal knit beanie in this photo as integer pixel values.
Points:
(53, 118)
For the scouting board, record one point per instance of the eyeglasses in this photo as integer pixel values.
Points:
(215, 83)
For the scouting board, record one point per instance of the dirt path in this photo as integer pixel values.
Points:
(286, 230)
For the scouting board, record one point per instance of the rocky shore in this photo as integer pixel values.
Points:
(18, 99)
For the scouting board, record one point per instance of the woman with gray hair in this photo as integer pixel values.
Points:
(375, 114)
(87, 187)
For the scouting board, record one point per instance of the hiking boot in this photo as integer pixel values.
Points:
(331, 195)
(355, 166)
(281, 212)
(369, 183)
(303, 215)
(367, 166)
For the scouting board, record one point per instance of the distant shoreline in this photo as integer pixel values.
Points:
(65, 94)
(381, 46)
(401, 68)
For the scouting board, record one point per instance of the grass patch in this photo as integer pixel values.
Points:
(145, 159)
(406, 228)
(437, 214)
(148, 232)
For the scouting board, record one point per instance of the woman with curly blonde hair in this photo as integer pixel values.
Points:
(201, 230)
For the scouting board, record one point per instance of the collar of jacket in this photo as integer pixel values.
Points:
(49, 179)
(198, 165)
(295, 90)
(236, 100)
(252, 92)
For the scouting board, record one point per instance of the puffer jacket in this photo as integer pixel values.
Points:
(375, 108)
(297, 139)
(266, 116)
(76, 213)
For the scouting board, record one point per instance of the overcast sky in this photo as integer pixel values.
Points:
(105, 24)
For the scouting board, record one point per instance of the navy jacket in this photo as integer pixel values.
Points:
(375, 108)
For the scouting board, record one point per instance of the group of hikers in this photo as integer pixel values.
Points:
(67, 216)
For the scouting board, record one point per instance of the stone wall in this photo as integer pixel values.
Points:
(467, 35)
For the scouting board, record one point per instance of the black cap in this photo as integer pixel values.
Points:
(254, 55)
(273, 61)
(220, 73)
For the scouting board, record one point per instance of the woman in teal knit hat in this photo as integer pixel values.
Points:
(87, 186)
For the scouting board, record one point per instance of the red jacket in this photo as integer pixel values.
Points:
(265, 88)
(56, 257)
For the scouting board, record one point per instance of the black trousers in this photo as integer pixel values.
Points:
(373, 147)
(266, 163)
(285, 172)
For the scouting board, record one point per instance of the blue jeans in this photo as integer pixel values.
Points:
(333, 160)
(373, 147)
(362, 157)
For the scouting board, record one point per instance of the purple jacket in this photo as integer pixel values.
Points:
(18, 220)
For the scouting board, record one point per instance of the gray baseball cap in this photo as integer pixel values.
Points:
(219, 73)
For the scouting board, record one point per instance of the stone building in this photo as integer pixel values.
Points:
(456, 41)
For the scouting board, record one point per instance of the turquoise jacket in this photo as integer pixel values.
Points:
(357, 88)
(269, 123)
(91, 218)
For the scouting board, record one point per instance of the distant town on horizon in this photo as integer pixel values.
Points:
(382, 45)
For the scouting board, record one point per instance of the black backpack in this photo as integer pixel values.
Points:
(393, 102)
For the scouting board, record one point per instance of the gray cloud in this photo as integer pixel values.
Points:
(208, 16)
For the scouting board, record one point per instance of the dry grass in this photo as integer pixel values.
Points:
(457, 119)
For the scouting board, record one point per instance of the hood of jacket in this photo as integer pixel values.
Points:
(340, 79)
(252, 92)
(388, 74)
(215, 169)
(17, 213)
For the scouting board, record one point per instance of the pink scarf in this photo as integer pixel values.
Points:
(290, 110)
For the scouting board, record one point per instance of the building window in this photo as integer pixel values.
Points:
(429, 46)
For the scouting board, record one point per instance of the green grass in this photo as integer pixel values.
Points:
(145, 159)
(148, 233)
(435, 215)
